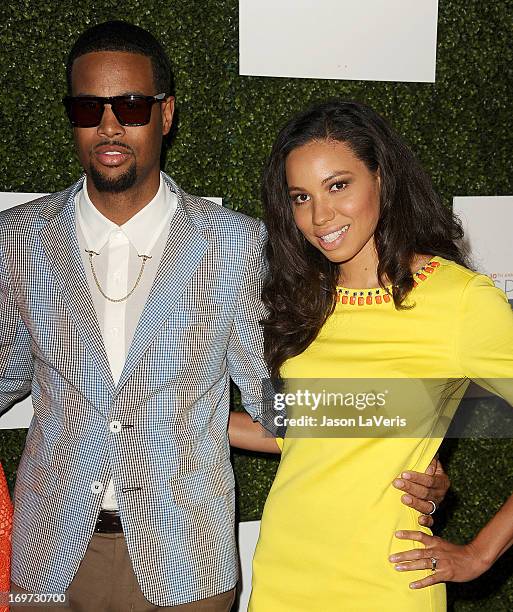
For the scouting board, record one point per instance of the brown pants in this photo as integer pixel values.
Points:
(105, 582)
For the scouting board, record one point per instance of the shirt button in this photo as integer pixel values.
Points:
(115, 426)
(114, 331)
(96, 487)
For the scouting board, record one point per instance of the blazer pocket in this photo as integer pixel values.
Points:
(197, 487)
(194, 316)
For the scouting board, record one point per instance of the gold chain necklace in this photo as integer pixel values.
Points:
(144, 260)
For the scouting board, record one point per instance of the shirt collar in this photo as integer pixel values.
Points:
(142, 230)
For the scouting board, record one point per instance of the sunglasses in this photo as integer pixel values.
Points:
(130, 110)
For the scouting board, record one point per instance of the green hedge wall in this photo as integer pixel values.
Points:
(458, 126)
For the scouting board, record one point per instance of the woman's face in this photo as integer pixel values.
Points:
(335, 199)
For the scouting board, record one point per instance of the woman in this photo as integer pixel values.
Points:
(366, 281)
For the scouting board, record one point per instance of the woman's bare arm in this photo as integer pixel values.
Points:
(245, 433)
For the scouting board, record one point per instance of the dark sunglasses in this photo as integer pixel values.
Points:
(131, 110)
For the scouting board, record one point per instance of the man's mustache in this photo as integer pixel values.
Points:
(113, 143)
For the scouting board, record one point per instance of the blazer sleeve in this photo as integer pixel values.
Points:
(484, 339)
(245, 355)
(16, 363)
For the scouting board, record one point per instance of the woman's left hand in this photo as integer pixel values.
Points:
(454, 563)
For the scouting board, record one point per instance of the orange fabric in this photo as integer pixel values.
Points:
(5, 536)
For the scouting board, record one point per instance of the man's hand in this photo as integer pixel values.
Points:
(422, 489)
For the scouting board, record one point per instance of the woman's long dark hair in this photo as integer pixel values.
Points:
(301, 285)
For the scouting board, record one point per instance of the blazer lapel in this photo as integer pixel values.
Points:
(59, 240)
(184, 250)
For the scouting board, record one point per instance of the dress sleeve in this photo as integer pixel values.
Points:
(484, 337)
(5, 536)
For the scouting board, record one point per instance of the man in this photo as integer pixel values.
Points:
(126, 305)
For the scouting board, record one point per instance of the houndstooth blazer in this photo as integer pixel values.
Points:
(161, 432)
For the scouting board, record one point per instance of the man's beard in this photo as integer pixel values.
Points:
(114, 185)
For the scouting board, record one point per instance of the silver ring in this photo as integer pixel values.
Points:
(434, 562)
(434, 506)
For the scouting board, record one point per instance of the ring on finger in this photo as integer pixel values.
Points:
(434, 562)
(434, 506)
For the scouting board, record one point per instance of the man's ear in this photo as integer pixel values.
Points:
(167, 108)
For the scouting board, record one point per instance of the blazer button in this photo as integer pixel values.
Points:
(97, 487)
(115, 426)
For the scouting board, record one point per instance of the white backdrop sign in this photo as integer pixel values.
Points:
(488, 224)
(11, 198)
(248, 536)
(379, 40)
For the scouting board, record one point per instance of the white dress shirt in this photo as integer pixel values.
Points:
(117, 266)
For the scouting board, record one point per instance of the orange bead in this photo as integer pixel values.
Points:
(386, 297)
(378, 299)
(422, 276)
(344, 299)
(434, 264)
(369, 299)
(415, 284)
(361, 301)
(352, 300)
(428, 269)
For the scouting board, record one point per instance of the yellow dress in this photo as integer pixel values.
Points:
(329, 521)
